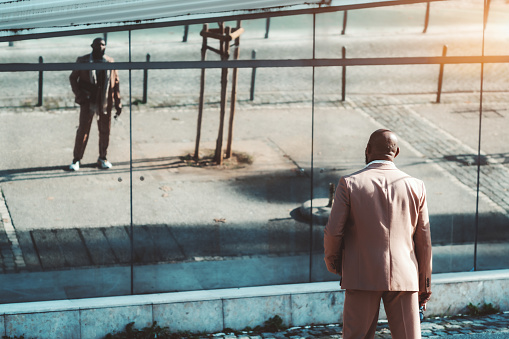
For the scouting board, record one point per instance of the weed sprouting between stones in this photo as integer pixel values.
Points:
(480, 310)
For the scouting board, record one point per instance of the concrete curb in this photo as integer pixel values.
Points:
(213, 310)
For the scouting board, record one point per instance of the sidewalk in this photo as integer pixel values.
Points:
(489, 326)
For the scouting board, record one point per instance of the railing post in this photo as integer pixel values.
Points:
(441, 76)
(253, 76)
(343, 78)
(186, 32)
(486, 12)
(145, 81)
(426, 18)
(11, 43)
(345, 18)
(39, 101)
(105, 38)
(267, 28)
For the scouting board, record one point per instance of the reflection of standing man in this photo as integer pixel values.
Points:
(378, 239)
(95, 91)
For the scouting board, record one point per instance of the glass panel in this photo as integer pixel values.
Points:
(63, 233)
(451, 180)
(493, 231)
(434, 144)
(289, 37)
(431, 150)
(390, 19)
(198, 225)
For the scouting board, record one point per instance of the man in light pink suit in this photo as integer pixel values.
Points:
(378, 240)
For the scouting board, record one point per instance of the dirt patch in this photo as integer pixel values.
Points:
(238, 160)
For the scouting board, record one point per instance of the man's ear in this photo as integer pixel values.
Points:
(397, 152)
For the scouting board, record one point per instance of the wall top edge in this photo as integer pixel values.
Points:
(221, 294)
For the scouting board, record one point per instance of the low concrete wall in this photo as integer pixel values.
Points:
(214, 310)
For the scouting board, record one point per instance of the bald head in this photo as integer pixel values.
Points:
(382, 145)
(98, 48)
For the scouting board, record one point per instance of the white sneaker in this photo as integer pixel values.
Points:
(104, 164)
(75, 166)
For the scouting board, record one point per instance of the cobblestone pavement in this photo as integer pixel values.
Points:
(436, 327)
(439, 145)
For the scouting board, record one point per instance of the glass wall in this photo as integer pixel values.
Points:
(167, 217)
(64, 233)
(492, 249)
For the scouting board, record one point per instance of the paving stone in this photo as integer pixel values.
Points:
(433, 328)
(60, 248)
(453, 326)
(30, 255)
(98, 246)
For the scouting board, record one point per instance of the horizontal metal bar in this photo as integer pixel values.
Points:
(214, 35)
(70, 31)
(214, 50)
(29, 67)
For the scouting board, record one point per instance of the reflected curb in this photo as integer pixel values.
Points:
(319, 211)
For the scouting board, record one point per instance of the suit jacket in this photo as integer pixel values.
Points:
(83, 82)
(378, 234)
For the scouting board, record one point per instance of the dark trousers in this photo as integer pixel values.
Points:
(104, 126)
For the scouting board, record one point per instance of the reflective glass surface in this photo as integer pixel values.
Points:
(231, 188)
(64, 231)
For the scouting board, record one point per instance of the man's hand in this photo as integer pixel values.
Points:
(424, 298)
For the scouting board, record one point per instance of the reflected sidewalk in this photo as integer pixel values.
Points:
(49, 222)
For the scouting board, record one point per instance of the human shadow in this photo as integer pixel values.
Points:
(90, 169)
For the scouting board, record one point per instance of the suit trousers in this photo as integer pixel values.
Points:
(83, 132)
(361, 308)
